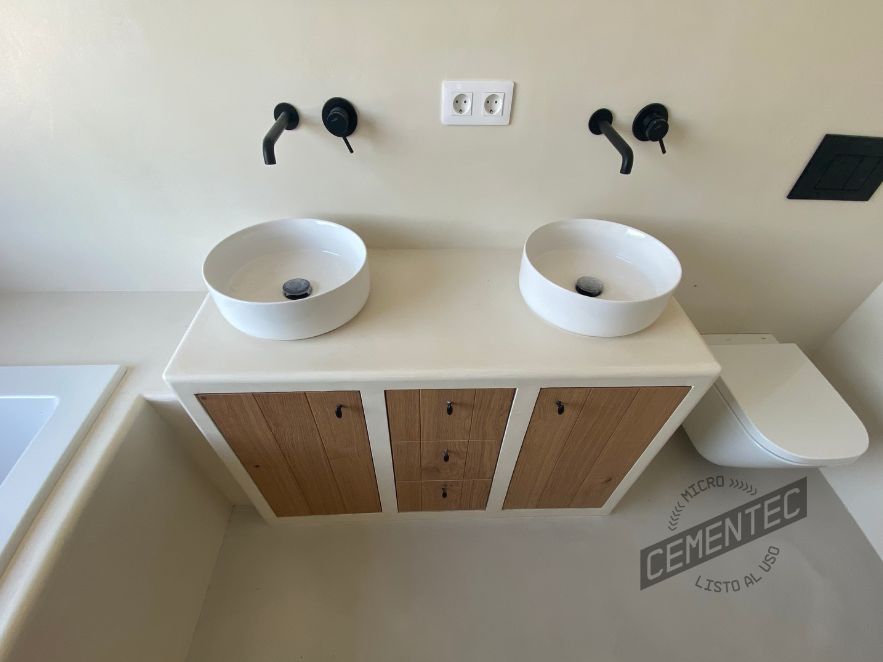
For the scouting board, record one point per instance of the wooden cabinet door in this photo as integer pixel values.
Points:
(308, 453)
(581, 442)
(238, 417)
(445, 445)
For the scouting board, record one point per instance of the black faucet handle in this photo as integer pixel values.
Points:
(340, 118)
(651, 123)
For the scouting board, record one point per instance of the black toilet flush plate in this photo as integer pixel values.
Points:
(842, 168)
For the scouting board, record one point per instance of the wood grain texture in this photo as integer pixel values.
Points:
(441, 494)
(409, 496)
(403, 415)
(240, 421)
(475, 494)
(471, 435)
(406, 460)
(492, 406)
(290, 419)
(433, 465)
(436, 424)
(601, 414)
(346, 446)
(647, 413)
(481, 459)
(543, 442)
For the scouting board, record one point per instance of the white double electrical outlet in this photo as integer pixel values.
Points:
(476, 102)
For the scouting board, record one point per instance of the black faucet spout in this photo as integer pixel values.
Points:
(621, 146)
(286, 119)
(601, 123)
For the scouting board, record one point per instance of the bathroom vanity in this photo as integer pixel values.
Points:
(445, 393)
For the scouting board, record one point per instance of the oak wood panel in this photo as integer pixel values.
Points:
(433, 465)
(647, 413)
(600, 416)
(471, 434)
(441, 494)
(481, 459)
(475, 494)
(240, 421)
(408, 496)
(544, 440)
(403, 415)
(491, 413)
(290, 419)
(346, 446)
(406, 460)
(435, 422)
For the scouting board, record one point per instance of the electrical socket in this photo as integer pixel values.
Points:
(493, 103)
(493, 99)
(462, 103)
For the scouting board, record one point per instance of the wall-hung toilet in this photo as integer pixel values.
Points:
(771, 407)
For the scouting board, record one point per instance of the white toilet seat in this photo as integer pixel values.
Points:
(786, 406)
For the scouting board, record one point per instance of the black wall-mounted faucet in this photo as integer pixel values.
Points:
(601, 122)
(286, 119)
(340, 118)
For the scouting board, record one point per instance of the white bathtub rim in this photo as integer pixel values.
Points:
(82, 391)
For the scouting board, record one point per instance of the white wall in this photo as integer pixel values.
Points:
(131, 134)
(852, 359)
(131, 579)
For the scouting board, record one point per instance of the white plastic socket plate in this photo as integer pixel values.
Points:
(476, 102)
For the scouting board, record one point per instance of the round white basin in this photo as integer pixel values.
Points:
(635, 273)
(245, 274)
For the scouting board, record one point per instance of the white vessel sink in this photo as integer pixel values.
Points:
(636, 274)
(245, 274)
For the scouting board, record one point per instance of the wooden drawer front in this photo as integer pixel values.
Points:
(479, 414)
(576, 458)
(303, 458)
(443, 460)
(403, 415)
(406, 460)
(454, 494)
(436, 424)
(421, 431)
